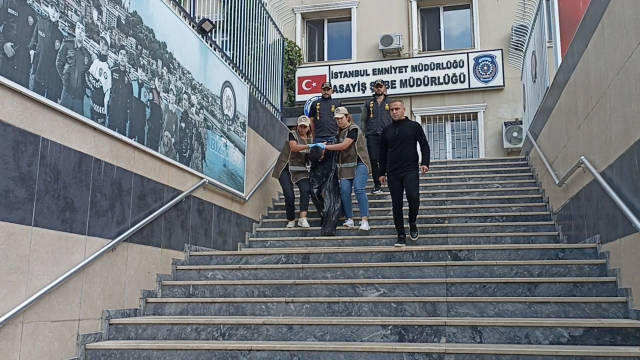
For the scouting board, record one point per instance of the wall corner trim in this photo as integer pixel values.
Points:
(338, 5)
(452, 109)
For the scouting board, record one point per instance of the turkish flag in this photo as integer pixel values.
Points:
(311, 84)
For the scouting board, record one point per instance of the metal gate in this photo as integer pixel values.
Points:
(452, 136)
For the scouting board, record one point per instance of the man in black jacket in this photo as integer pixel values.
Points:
(139, 106)
(17, 28)
(45, 43)
(375, 116)
(121, 94)
(323, 124)
(185, 131)
(73, 61)
(399, 165)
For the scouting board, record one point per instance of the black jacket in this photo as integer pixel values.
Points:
(375, 116)
(46, 41)
(322, 112)
(19, 20)
(121, 97)
(72, 64)
(398, 153)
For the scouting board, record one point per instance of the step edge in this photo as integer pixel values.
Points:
(419, 321)
(564, 350)
(396, 264)
(528, 299)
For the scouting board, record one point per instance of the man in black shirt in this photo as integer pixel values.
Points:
(323, 125)
(399, 165)
(375, 116)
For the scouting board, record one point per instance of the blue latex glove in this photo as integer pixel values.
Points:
(320, 145)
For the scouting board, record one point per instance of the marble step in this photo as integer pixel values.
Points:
(457, 287)
(521, 307)
(481, 165)
(430, 179)
(478, 171)
(602, 332)
(502, 184)
(497, 217)
(367, 239)
(457, 192)
(394, 270)
(374, 254)
(316, 350)
(502, 159)
(444, 201)
(390, 230)
(431, 210)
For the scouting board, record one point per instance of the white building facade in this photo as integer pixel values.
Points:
(447, 59)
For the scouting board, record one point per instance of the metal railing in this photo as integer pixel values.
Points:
(88, 261)
(584, 163)
(111, 245)
(248, 39)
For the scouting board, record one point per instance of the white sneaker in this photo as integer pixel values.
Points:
(302, 222)
(364, 226)
(291, 224)
(348, 223)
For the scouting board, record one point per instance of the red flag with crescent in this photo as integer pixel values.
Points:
(311, 84)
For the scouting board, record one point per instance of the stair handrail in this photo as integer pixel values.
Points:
(583, 162)
(112, 244)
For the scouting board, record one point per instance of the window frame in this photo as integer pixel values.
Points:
(325, 29)
(442, 35)
(416, 31)
(421, 114)
(306, 12)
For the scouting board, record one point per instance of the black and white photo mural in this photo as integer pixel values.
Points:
(135, 68)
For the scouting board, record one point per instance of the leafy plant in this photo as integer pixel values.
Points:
(292, 59)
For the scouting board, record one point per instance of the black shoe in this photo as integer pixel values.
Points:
(413, 231)
(376, 191)
(402, 241)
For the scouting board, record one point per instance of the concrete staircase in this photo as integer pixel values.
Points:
(489, 278)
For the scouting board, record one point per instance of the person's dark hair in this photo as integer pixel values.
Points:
(315, 154)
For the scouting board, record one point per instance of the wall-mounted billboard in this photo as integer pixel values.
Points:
(135, 68)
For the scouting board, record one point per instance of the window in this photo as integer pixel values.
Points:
(446, 27)
(328, 39)
(453, 136)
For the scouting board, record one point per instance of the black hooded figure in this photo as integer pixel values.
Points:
(325, 188)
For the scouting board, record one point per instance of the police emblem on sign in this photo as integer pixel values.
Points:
(485, 68)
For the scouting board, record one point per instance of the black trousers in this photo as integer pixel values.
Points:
(398, 185)
(373, 148)
(289, 196)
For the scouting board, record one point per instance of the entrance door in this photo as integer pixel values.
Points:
(452, 136)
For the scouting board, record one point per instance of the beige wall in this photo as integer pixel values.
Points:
(624, 256)
(375, 17)
(30, 258)
(597, 116)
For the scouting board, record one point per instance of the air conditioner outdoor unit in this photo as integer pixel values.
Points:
(512, 135)
(390, 42)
